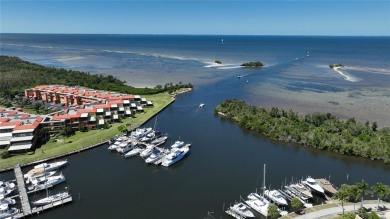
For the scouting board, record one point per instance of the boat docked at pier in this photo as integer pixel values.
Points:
(275, 196)
(6, 212)
(178, 144)
(139, 133)
(52, 198)
(258, 203)
(8, 201)
(160, 140)
(147, 152)
(48, 183)
(313, 185)
(155, 156)
(241, 210)
(303, 191)
(174, 156)
(40, 178)
(134, 151)
(120, 141)
(44, 167)
(7, 188)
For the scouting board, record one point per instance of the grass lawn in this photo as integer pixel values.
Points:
(85, 139)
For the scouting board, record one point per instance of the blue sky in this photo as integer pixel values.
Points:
(262, 17)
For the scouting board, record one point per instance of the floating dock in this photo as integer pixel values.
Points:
(26, 208)
(23, 195)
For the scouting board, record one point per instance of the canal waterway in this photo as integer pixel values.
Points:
(225, 161)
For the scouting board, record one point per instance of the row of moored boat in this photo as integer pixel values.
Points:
(146, 143)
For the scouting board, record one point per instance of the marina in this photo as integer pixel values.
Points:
(23, 195)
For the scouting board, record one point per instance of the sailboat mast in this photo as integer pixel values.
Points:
(264, 180)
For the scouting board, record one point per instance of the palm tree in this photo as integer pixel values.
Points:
(382, 191)
(273, 211)
(363, 190)
(343, 194)
(354, 194)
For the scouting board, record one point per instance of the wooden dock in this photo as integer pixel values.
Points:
(37, 210)
(326, 185)
(26, 208)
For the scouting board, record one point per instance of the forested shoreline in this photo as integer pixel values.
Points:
(320, 131)
(17, 75)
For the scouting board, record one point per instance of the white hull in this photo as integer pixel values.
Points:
(51, 199)
(45, 167)
(242, 210)
(51, 181)
(174, 156)
(275, 197)
(134, 152)
(313, 185)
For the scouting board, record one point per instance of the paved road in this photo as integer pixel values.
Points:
(335, 211)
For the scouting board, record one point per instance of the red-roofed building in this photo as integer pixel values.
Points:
(19, 132)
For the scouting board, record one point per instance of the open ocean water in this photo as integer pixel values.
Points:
(225, 161)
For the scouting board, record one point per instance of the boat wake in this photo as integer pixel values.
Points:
(221, 66)
(346, 75)
(368, 69)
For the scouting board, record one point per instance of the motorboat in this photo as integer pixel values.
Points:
(139, 133)
(44, 167)
(174, 156)
(41, 178)
(313, 185)
(8, 201)
(151, 136)
(178, 144)
(147, 152)
(6, 212)
(242, 210)
(275, 196)
(7, 188)
(304, 191)
(159, 140)
(117, 143)
(156, 155)
(48, 183)
(51, 199)
(134, 151)
(125, 147)
(258, 203)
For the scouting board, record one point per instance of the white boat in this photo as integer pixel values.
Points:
(6, 188)
(44, 167)
(6, 212)
(159, 140)
(117, 143)
(50, 182)
(134, 152)
(147, 152)
(8, 201)
(140, 132)
(51, 199)
(275, 196)
(258, 203)
(126, 147)
(302, 189)
(156, 155)
(242, 210)
(313, 185)
(174, 156)
(40, 178)
(178, 144)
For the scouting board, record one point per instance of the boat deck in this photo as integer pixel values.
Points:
(326, 185)
(45, 207)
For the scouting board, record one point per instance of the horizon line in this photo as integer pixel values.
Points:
(194, 34)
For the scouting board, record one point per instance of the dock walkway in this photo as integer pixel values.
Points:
(326, 185)
(26, 208)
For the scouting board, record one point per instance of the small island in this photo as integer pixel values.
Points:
(252, 65)
(336, 65)
(218, 62)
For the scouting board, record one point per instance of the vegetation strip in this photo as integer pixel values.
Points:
(320, 131)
